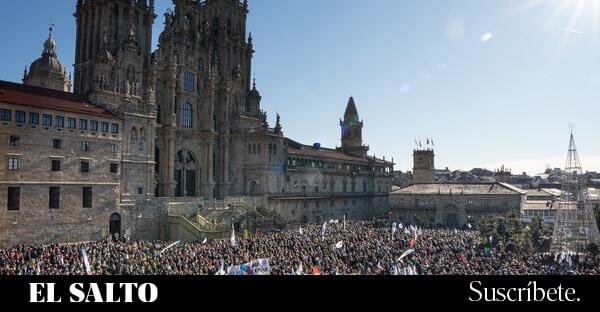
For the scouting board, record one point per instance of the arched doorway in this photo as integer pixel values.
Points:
(253, 188)
(115, 224)
(185, 174)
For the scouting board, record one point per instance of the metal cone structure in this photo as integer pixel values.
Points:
(575, 226)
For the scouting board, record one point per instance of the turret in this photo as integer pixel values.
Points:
(47, 71)
(424, 166)
(351, 125)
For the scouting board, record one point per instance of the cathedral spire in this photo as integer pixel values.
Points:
(50, 44)
(352, 131)
(351, 114)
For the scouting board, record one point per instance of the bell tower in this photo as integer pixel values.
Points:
(424, 166)
(113, 47)
(351, 125)
(114, 68)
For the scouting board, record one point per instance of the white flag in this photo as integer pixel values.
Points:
(469, 226)
(205, 240)
(37, 268)
(323, 229)
(344, 223)
(169, 247)
(300, 270)
(221, 269)
(400, 226)
(301, 231)
(86, 262)
(339, 245)
(233, 242)
(491, 239)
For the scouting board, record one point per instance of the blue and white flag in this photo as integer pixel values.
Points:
(405, 254)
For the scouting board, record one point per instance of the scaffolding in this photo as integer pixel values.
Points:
(575, 225)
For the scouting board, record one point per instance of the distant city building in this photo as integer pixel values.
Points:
(452, 204)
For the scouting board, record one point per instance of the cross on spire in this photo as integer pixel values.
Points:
(51, 25)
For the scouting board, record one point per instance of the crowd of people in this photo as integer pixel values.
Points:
(337, 247)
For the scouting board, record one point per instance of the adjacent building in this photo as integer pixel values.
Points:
(450, 204)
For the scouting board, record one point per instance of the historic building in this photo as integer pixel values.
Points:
(450, 204)
(148, 140)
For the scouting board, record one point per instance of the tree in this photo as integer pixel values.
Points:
(537, 232)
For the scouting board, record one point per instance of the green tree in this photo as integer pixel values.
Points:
(537, 232)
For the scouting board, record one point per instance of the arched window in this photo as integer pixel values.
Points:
(186, 115)
(142, 139)
(188, 82)
(158, 114)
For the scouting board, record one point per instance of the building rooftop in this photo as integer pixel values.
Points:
(461, 189)
(295, 148)
(18, 94)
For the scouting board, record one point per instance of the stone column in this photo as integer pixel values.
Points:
(207, 184)
(167, 184)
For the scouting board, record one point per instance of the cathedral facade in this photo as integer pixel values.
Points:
(186, 129)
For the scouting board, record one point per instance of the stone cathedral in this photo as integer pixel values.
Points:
(166, 144)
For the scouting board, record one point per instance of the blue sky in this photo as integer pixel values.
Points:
(492, 82)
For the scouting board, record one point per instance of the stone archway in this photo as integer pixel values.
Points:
(115, 224)
(253, 188)
(186, 174)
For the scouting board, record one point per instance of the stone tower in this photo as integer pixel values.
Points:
(114, 69)
(351, 125)
(205, 95)
(47, 71)
(424, 166)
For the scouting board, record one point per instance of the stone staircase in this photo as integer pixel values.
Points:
(198, 219)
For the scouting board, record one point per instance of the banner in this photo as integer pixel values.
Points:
(255, 267)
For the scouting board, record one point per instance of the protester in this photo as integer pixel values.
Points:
(359, 248)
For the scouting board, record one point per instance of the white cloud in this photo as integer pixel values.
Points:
(487, 37)
(574, 31)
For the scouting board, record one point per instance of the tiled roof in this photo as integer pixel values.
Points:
(19, 94)
(295, 148)
(460, 189)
